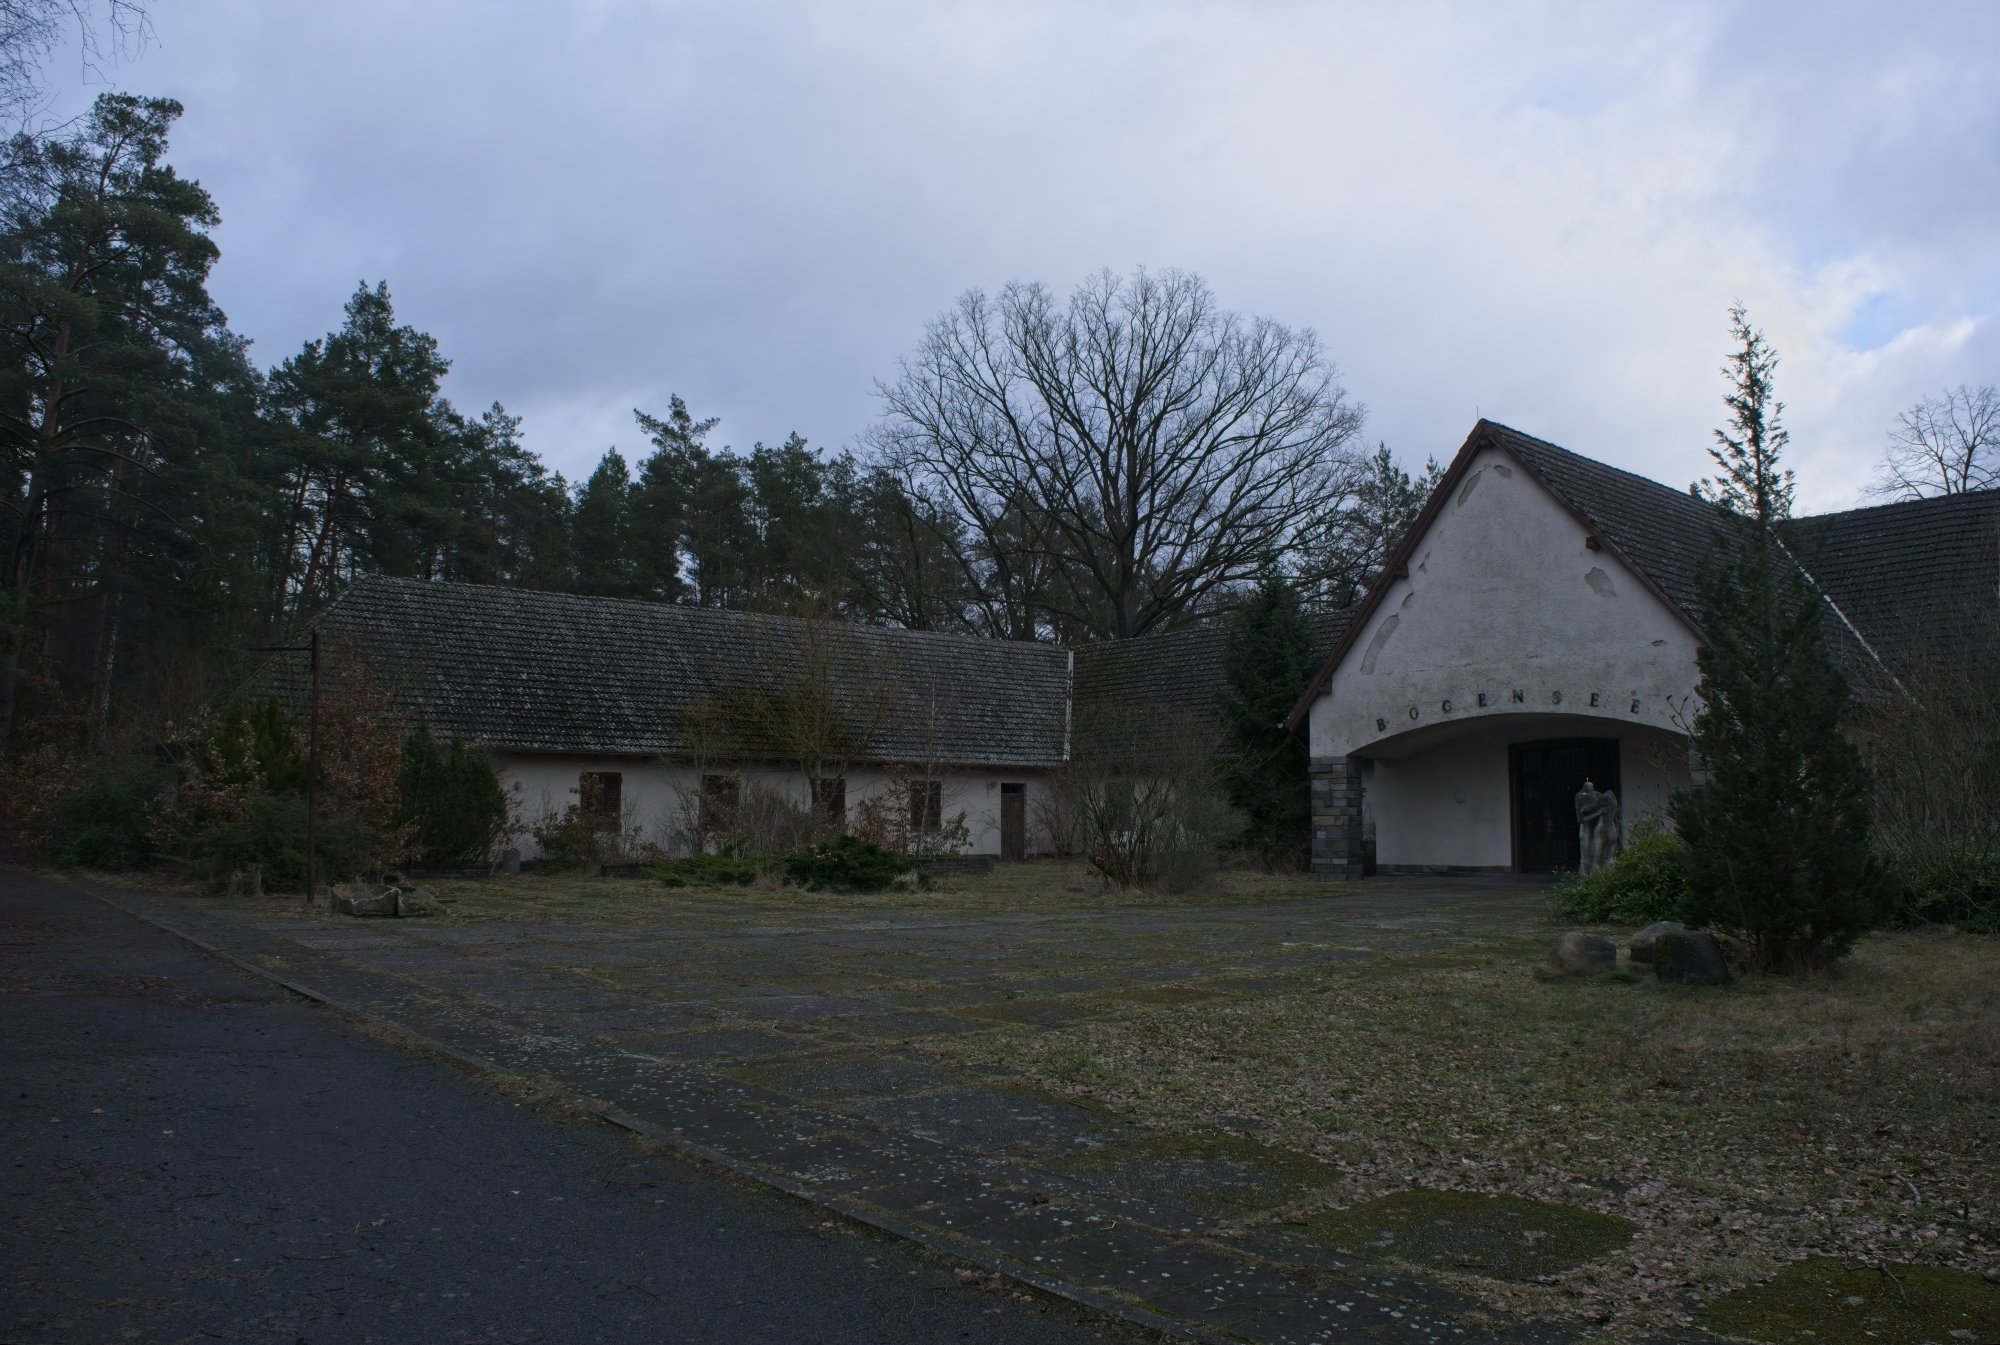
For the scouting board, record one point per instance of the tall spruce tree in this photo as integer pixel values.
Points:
(1778, 831)
(1265, 666)
(601, 531)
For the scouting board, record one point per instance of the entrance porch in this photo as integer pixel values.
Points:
(1491, 795)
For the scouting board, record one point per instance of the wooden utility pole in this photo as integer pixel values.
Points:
(312, 771)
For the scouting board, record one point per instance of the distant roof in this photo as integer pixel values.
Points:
(1911, 576)
(1173, 676)
(549, 672)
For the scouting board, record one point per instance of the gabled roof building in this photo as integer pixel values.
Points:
(1537, 627)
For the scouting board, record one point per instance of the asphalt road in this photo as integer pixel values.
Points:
(191, 1154)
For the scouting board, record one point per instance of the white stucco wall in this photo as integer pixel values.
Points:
(1449, 805)
(654, 795)
(1507, 611)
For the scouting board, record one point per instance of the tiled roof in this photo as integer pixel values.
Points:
(548, 672)
(1170, 677)
(1898, 576)
(1914, 577)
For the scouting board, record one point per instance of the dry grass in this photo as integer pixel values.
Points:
(1041, 886)
(1851, 1116)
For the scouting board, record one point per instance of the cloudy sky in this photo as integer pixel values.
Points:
(1537, 213)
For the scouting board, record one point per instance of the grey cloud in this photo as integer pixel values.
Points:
(1540, 216)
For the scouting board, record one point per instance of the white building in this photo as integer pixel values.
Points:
(657, 717)
(1538, 627)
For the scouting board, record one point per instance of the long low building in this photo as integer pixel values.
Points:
(1538, 627)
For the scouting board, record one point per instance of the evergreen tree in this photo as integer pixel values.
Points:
(1265, 667)
(514, 525)
(660, 498)
(601, 531)
(1778, 831)
(371, 456)
(1346, 549)
(114, 366)
(799, 561)
(903, 554)
(450, 800)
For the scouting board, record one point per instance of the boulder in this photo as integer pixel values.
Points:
(1687, 957)
(1647, 939)
(1580, 954)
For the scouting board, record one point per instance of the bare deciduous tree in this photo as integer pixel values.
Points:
(1142, 800)
(1944, 445)
(1121, 459)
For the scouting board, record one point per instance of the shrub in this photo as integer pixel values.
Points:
(573, 839)
(847, 864)
(449, 797)
(267, 837)
(1646, 882)
(237, 807)
(1143, 800)
(768, 822)
(704, 870)
(103, 825)
(1944, 883)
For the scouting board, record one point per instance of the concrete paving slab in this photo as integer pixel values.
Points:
(979, 1119)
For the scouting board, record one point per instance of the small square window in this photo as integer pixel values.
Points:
(600, 797)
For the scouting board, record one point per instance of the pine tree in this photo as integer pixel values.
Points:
(116, 370)
(1346, 548)
(1778, 831)
(1265, 667)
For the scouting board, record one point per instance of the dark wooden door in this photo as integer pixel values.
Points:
(1013, 821)
(1547, 776)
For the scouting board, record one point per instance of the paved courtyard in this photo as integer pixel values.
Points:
(810, 1044)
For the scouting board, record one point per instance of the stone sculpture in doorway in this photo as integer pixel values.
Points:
(1599, 833)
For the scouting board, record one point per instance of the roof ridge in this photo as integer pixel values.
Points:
(1598, 463)
(1957, 498)
(688, 611)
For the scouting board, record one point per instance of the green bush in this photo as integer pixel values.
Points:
(268, 837)
(848, 864)
(104, 825)
(1646, 882)
(1944, 883)
(450, 798)
(702, 870)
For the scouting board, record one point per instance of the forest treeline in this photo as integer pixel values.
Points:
(169, 505)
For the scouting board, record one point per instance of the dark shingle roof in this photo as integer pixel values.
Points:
(1171, 677)
(548, 672)
(1911, 576)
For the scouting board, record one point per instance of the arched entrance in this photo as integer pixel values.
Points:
(1545, 777)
